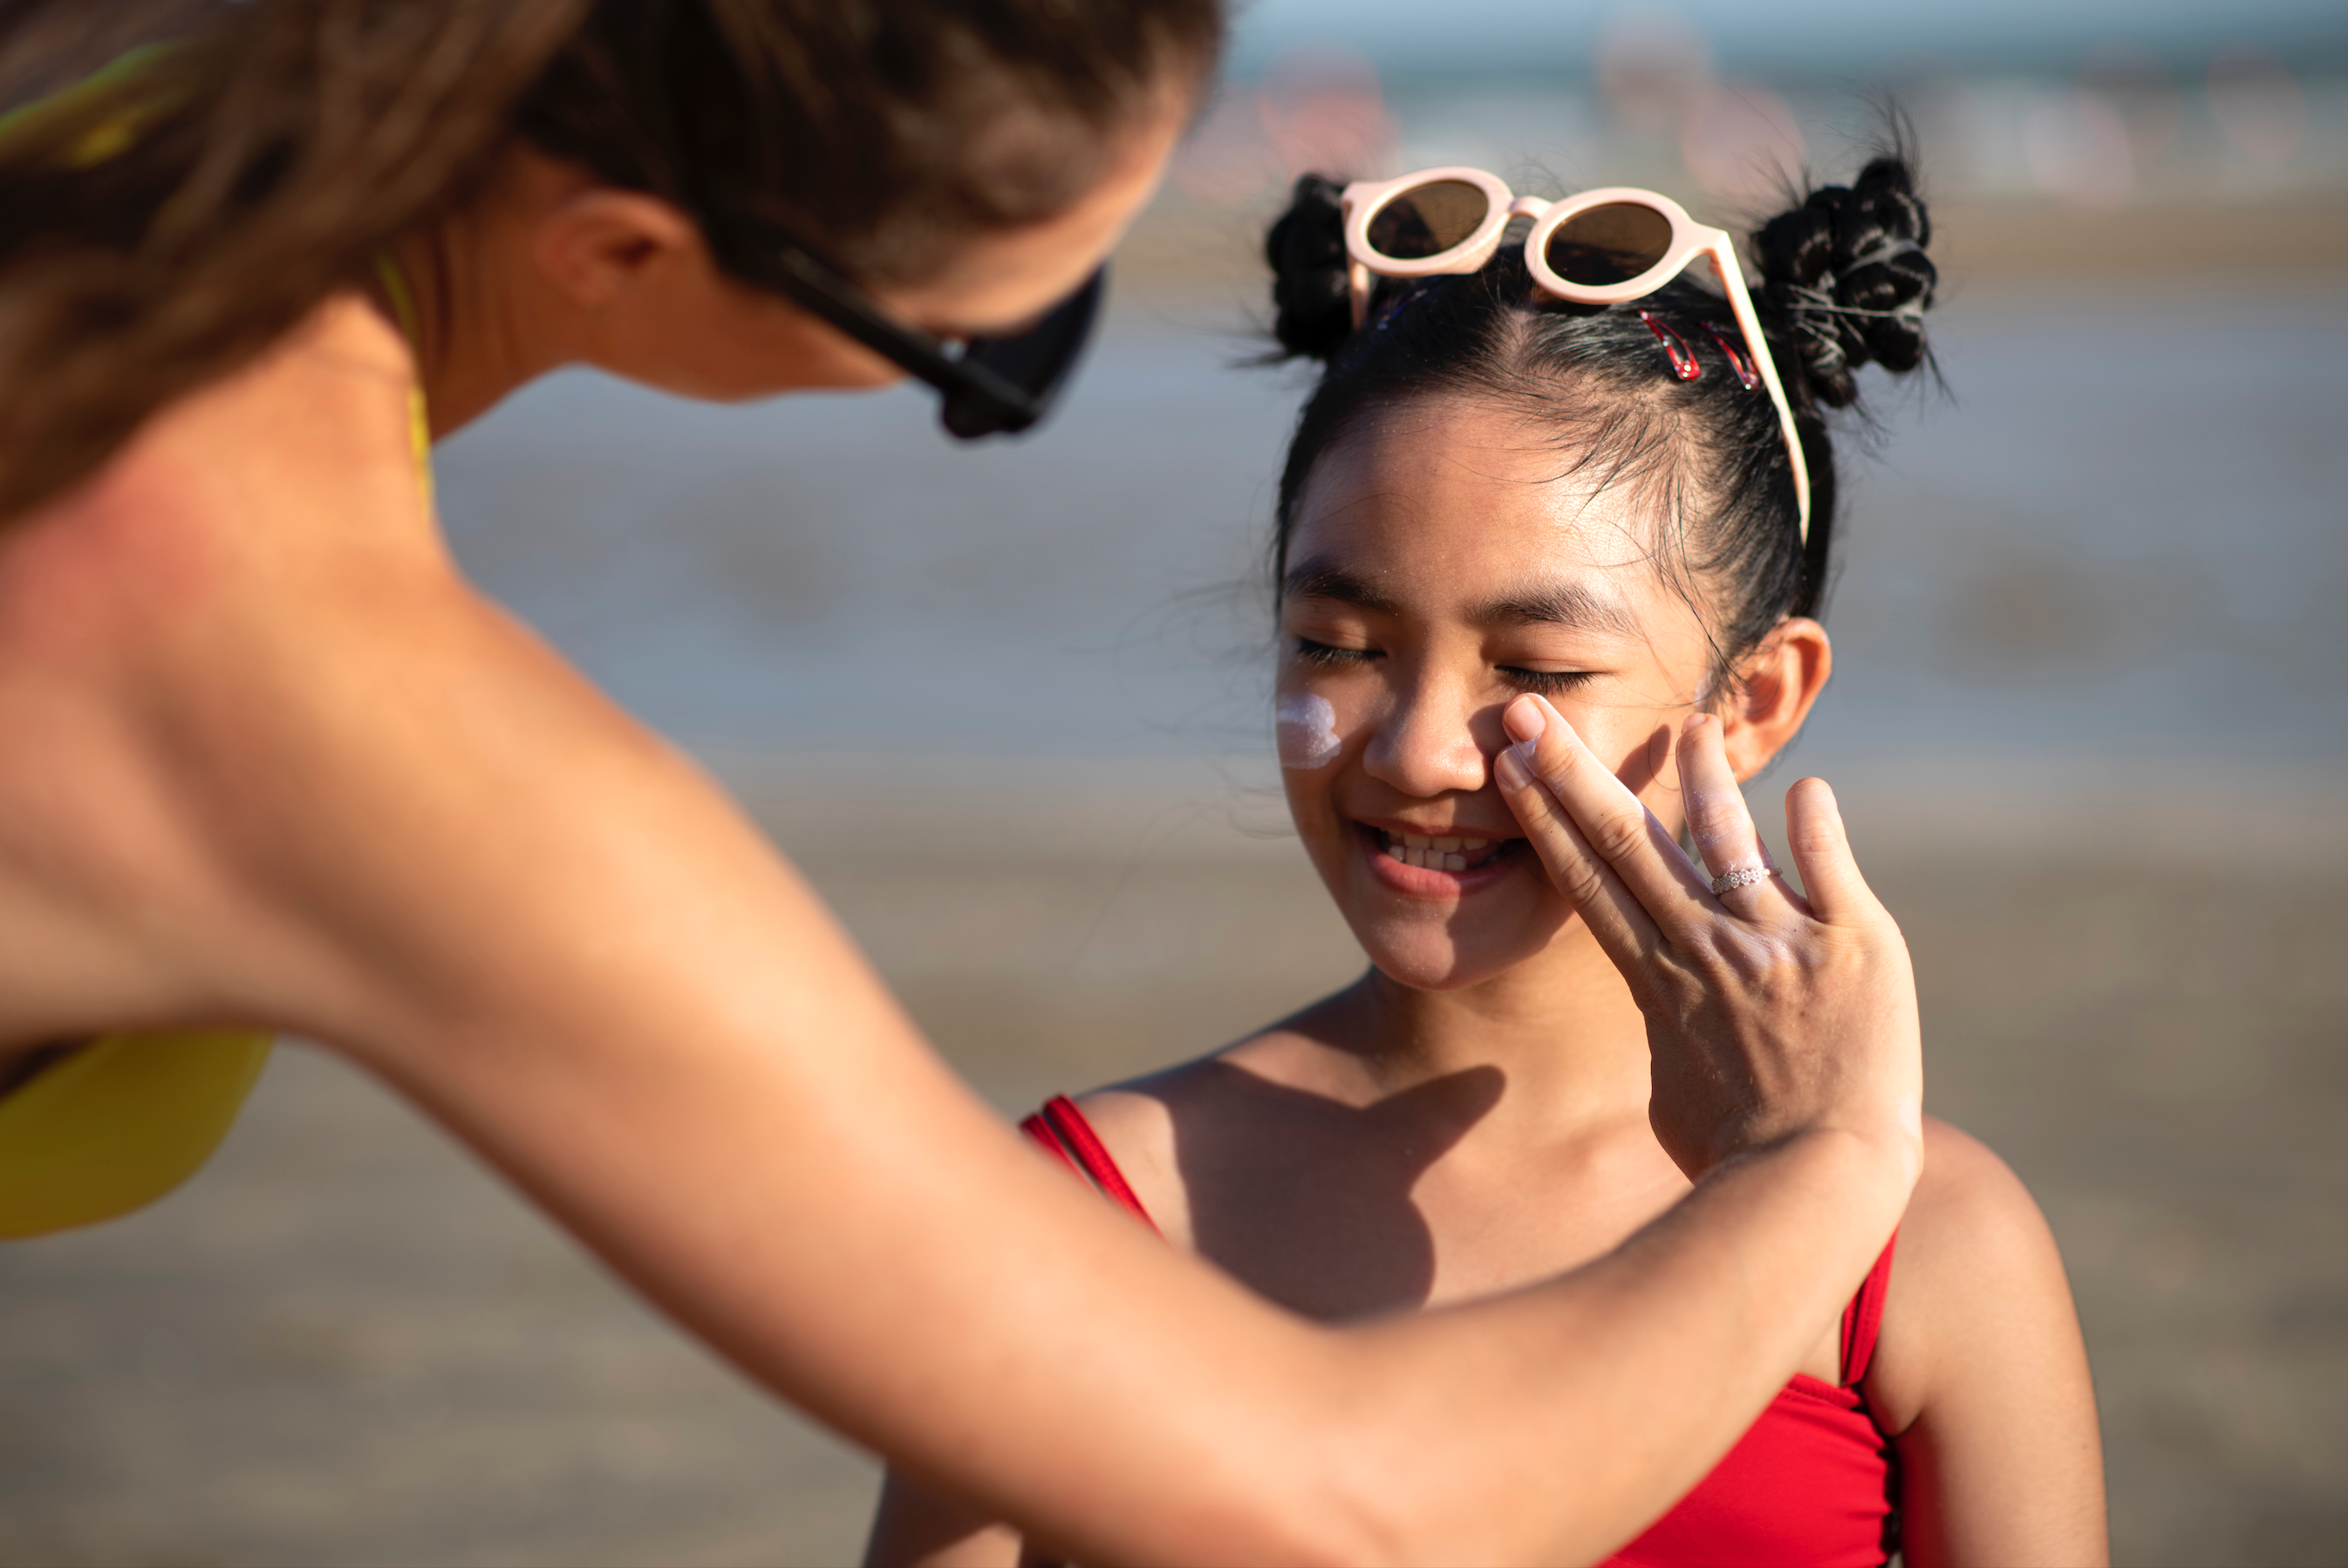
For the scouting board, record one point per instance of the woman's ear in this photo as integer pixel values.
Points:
(1771, 695)
(599, 243)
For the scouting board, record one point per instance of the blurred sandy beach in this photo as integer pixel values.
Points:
(1005, 707)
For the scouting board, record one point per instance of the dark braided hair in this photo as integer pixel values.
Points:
(1845, 281)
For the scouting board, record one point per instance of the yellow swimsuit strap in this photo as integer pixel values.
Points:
(420, 418)
(120, 1121)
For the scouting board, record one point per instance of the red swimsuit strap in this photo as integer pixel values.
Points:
(1061, 1129)
(1864, 1317)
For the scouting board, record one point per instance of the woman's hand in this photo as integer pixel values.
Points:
(1769, 1014)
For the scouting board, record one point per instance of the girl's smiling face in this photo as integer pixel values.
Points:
(1442, 560)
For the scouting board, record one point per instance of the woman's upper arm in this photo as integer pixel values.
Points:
(1982, 1373)
(916, 1528)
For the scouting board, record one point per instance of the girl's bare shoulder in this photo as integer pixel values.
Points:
(1137, 1126)
(1977, 1285)
(1141, 1119)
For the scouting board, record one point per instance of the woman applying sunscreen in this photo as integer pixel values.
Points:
(275, 766)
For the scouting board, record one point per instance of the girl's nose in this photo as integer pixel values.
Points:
(1430, 741)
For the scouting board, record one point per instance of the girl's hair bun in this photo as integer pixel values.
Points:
(1848, 270)
(1306, 251)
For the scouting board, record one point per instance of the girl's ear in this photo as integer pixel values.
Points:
(1772, 695)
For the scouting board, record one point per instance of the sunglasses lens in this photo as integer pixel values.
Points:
(1428, 220)
(1029, 368)
(1609, 244)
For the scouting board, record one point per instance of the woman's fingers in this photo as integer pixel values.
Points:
(1719, 823)
(1821, 851)
(1624, 931)
(1612, 824)
(1807, 1028)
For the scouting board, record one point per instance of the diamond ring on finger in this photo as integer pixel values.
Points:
(1742, 876)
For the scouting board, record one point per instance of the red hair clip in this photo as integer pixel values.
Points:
(1738, 363)
(1684, 364)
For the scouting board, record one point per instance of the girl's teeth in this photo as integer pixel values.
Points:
(1434, 854)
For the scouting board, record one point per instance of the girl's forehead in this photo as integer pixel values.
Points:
(1444, 493)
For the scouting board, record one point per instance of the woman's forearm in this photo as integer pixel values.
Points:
(1575, 1413)
(911, 1275)
(1589, 1408)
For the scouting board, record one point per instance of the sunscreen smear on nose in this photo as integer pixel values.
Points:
(1307, 728)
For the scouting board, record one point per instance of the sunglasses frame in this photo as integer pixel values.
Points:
(1364, 198)
(994, 386)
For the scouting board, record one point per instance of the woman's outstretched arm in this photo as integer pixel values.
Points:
(707, 1084)
(276, 766)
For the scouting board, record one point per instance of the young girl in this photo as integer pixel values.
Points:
(1511, 507)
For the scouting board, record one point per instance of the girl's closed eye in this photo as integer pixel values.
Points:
(1330, 655)
(1547, 683)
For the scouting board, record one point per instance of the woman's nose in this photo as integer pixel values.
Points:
(1430, 742)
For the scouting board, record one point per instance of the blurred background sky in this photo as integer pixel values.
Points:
(2100, 101)
(1007, 707)
(1795, 35)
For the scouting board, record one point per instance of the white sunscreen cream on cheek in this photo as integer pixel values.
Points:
(1307, 728)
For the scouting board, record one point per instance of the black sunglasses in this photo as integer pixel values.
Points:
(994, 386)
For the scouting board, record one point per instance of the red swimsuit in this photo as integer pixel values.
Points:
(1814, 1481)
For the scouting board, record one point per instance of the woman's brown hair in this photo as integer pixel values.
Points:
(163, 224)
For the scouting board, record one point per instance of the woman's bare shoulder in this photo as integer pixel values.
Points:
(1976, 1281)
(244, 642)
(305, 452)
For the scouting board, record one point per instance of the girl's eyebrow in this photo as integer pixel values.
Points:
(1568, 604)
(1319, 578)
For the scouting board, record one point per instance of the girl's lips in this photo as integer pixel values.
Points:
(1426, 882)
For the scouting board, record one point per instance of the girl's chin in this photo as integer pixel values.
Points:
(1439, 955)
(1422, 971)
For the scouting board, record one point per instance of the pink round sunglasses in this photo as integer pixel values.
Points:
(1600, 246)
